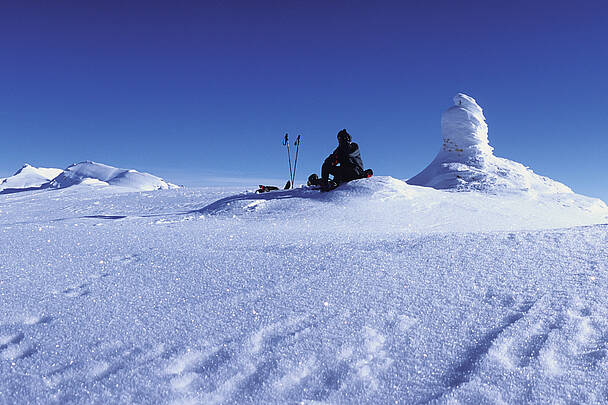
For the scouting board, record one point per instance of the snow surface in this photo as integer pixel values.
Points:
(378, 292)
(466, 161)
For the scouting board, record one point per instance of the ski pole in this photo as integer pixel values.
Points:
(286, 142)
(297, 145)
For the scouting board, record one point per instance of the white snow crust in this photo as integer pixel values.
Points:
(377, 292)
(466, 161)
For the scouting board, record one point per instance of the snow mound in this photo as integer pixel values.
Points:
(387, 204)
(466, 161)
(97, 173)
(349, 193)
(28, 178)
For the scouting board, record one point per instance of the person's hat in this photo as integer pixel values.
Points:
(344, 136)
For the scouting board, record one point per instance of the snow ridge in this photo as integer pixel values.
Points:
(466, 161)
(97, 173)
(30, 178)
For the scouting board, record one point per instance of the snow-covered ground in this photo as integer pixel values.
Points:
(378, 292)
(477, 281)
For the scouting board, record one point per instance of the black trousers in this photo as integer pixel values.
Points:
(341, 173)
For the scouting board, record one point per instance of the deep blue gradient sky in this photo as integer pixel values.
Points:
(193, 91)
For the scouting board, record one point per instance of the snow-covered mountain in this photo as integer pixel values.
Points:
(97, 173)
(87, 173)
(28, 178)
(466, 160)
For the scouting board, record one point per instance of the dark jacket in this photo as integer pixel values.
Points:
(347, 156)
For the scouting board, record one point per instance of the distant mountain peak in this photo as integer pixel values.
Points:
(26, 166)
(87, 172)
(28, 177)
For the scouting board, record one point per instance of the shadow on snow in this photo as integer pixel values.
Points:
(219, 205)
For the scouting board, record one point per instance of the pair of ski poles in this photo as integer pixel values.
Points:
(292, 174)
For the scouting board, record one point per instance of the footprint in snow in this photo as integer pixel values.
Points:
(99, 276)
(17, 352)
(195, 367)
(12, 347)
(235, 370)
(530, 349)
(399, 323)
(102, 369)
(590, 344)
(77, 291)
(110, 357)
(180, 369)
(7, 340)
(490, 342)
(498, 298)
(127, 259)
(37, 319)
(359, 365)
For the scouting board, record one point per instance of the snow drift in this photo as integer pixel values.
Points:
(466, 161)
(392, 205)
(96, 173)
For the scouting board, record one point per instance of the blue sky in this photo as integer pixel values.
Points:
(193, 91)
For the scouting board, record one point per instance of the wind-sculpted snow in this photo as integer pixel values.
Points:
(391, 205)
(466, 162)
(28, 178)
(108, 175)
(87, 173)
(372, 293)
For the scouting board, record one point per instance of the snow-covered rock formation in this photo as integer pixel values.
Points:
(466, 161)
(28, 178)
(97, 173)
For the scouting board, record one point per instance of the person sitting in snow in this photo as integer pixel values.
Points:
(344, 164)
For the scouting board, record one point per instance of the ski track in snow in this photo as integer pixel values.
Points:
(208, 308)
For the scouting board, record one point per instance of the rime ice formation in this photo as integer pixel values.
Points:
(28, 178)
(97, 173)
(466, 161)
